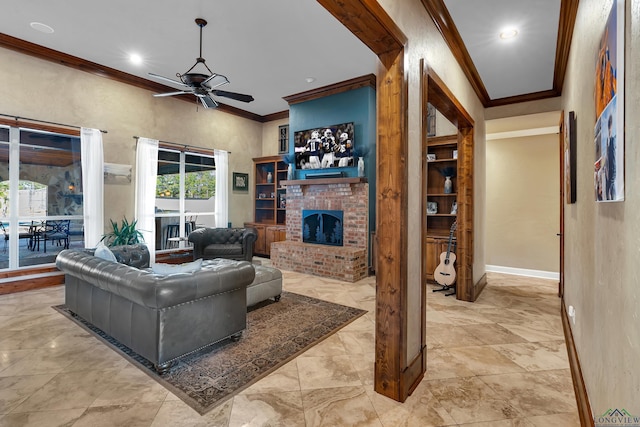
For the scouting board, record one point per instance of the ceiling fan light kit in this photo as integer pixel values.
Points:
(201, 85)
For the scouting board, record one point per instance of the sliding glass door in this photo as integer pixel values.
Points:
(41, 204)
(185, 196)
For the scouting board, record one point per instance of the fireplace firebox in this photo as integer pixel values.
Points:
(322, 226)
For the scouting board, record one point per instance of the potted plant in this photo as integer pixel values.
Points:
(125, 234)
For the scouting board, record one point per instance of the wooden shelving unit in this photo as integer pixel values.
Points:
(439, 224)
(270, 214)
(443, 147)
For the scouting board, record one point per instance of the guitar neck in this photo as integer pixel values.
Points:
(453, 228)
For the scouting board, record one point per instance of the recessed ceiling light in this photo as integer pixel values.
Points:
(135, 59)
(310, 79)
(43, 28)
(508, 33)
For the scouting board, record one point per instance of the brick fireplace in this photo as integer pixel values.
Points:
(348, 262)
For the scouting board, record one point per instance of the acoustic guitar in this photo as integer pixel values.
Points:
(445, 274)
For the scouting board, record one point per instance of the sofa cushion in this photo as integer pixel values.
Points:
(102, 251)
(187, 267)
(222, 249)
(132, 255)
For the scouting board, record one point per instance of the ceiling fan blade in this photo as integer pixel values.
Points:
(208, 102)
(215, 81)
(180, 92)
(168, 80)
(233, 95)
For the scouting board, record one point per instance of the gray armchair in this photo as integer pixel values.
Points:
(230, 243)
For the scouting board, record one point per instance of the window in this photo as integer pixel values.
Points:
(40, 186)
(185, 196)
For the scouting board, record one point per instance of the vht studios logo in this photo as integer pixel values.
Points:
(617, 418)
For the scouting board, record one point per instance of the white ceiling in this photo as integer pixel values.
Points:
(268, 48)
(509, 67)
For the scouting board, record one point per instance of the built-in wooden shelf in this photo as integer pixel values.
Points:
(324, 181)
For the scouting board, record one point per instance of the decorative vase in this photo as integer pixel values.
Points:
(269, 177)
(360, 166)
(448, 185)
(290, 172)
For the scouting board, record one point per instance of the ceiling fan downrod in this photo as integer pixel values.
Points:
(201, 23)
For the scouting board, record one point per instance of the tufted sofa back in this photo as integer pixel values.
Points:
(132, 255)
(216, 238)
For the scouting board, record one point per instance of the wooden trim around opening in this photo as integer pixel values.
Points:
(579, 387)
(368, 21)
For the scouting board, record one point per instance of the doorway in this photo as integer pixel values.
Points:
(452, 150)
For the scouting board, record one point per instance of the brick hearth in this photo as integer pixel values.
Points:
(348, 262)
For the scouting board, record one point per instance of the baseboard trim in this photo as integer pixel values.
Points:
(579, 387)
(31, 282)
(523, 272)
(413, 374)
(479, 287)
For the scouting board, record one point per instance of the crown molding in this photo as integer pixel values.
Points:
(321, 92)
(566, 24)
(534, 96)
(445, 25)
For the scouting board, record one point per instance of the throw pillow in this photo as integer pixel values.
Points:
(166, 269)
(102, 251)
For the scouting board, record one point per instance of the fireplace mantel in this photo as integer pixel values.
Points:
(324, 181)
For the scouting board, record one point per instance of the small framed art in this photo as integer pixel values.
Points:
(240, 181)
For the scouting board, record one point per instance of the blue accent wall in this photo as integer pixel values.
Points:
(357, 106)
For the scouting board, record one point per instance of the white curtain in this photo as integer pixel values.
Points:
(92, 185)
(222, 188)
(145, 196)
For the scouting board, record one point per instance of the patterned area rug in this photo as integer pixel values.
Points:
(276, 333)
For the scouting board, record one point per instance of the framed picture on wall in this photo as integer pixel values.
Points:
(240, 181)
(608, 141)
(431, 120)
(283, 139)
(570, 137)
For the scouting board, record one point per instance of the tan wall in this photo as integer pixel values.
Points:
(270, 137)
(444, 126)
(43, 90)
(523, 203)
(426, 42)
(602, 275)
(523, 108)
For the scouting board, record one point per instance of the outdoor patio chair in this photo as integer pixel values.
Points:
(53, 230)
(21, 235)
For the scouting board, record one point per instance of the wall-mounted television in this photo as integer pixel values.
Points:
(325, 146)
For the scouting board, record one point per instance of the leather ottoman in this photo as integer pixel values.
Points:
(266, 284)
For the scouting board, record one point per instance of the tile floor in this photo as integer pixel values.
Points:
(500, 361)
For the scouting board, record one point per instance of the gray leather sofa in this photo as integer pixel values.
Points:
(230, 243)
(161, 318)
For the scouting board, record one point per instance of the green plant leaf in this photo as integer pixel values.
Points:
(124, 234)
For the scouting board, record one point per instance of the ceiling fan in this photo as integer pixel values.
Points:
(202, 85)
